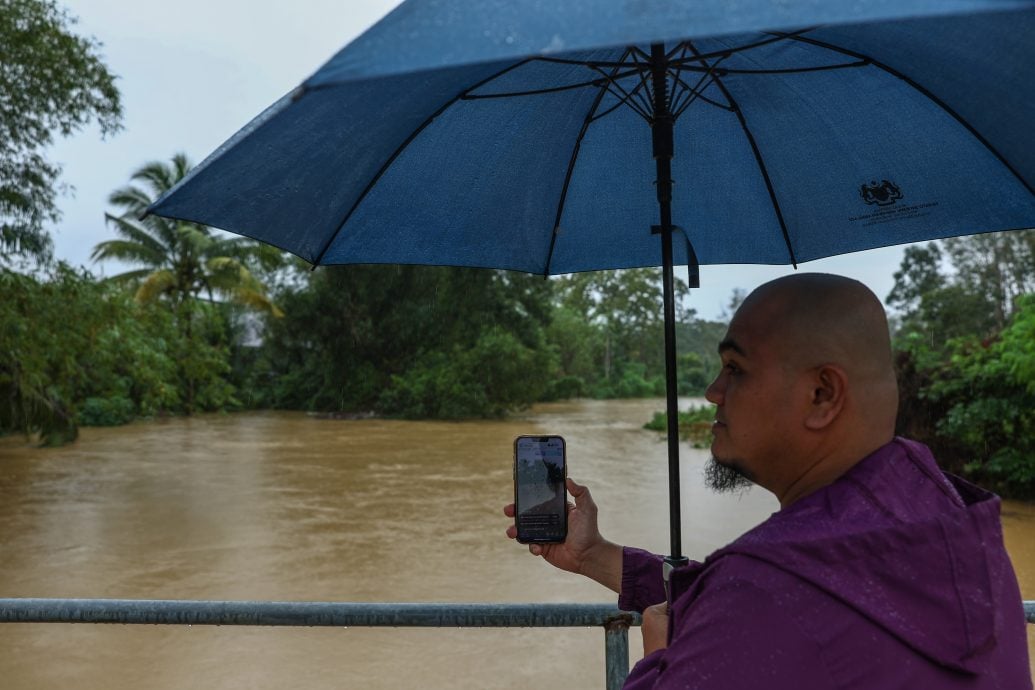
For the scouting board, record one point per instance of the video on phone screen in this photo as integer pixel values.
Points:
(540, 487)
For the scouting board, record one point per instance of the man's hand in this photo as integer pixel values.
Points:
(585, 551)
(655, 628)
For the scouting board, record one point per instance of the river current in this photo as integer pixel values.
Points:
(284, 506)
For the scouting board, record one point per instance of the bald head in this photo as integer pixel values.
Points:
(808, 387)
(816, 318)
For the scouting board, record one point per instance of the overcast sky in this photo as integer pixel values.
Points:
(193, 72)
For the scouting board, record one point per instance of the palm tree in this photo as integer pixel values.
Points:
(180, 261)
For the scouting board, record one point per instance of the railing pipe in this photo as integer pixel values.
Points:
(616, 651)
(616, 623)
(309, 613)
(339, 614)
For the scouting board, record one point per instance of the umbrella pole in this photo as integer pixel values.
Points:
(661, 134)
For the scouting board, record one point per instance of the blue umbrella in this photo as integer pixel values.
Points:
(593, 134)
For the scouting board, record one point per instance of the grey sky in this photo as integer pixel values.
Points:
(193, 72)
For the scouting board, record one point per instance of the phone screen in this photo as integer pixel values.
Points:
(540, 500)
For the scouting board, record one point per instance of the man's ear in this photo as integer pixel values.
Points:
(829, 391)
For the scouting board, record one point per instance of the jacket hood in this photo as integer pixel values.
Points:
(904, 545)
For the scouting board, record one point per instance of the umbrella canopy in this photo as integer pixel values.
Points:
(415, 144)
(561, 137)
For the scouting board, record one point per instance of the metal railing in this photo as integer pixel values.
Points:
(333, 614)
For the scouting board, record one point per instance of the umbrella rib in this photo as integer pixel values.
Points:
(699, 95)
(790, 70)
(624, 95)
(402, 147)
(646, 98)
(920, 89)
(554, 89)
(687, 91)
(584, 63)
(760, 161)
(571, 168)
(697, 92)
(620, 103)
(726, 52)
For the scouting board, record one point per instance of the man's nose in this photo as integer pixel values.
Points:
(714, 392)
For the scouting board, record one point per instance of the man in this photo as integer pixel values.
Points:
(878, 571)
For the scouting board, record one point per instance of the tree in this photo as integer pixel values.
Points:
(626, 307)
(181, 261)
(51, 80)
(412, 341)
(975, 403)
(976, 295)
(1000, 265)
(74, 352)
(966, 355)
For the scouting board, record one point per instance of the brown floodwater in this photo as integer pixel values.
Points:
(283, 506)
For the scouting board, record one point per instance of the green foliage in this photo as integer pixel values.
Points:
(608, 332)
(695, 424)
(410, 341)
(497, 374)
(66, 340)
(51, 80)
(106, 411)
(631, 381)
(973, 400)
(180, 262)
(988, 274)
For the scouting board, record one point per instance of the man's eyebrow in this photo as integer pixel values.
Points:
(731, 344)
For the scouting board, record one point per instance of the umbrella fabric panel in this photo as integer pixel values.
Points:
(432, 34)
(479, 186)
(720, 196)
(611, 202)
(293, 179)
(825, 137)
(944, 59)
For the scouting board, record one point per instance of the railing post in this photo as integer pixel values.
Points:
(616, 651)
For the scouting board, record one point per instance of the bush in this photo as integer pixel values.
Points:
(106, 411)
(497, 374)
(565, 388)
(695, 424)
(975, 403)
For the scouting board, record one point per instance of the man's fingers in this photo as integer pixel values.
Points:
(512, 532)
(583, 499)
(508, 510)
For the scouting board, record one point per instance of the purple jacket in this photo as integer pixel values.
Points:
(894, 576)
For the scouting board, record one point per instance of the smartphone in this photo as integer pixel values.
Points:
(540, 497)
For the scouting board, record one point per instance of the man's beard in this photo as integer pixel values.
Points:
(725, 479)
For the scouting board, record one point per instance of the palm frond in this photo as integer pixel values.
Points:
(181, 165)
(229, 276)
(144, 235)
(132, 199)
(129, 276)
(128, 251)
(156, 285)
(194, 236)
(257, 301)
(157, 175)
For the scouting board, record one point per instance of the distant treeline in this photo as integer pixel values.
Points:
(402, 341)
